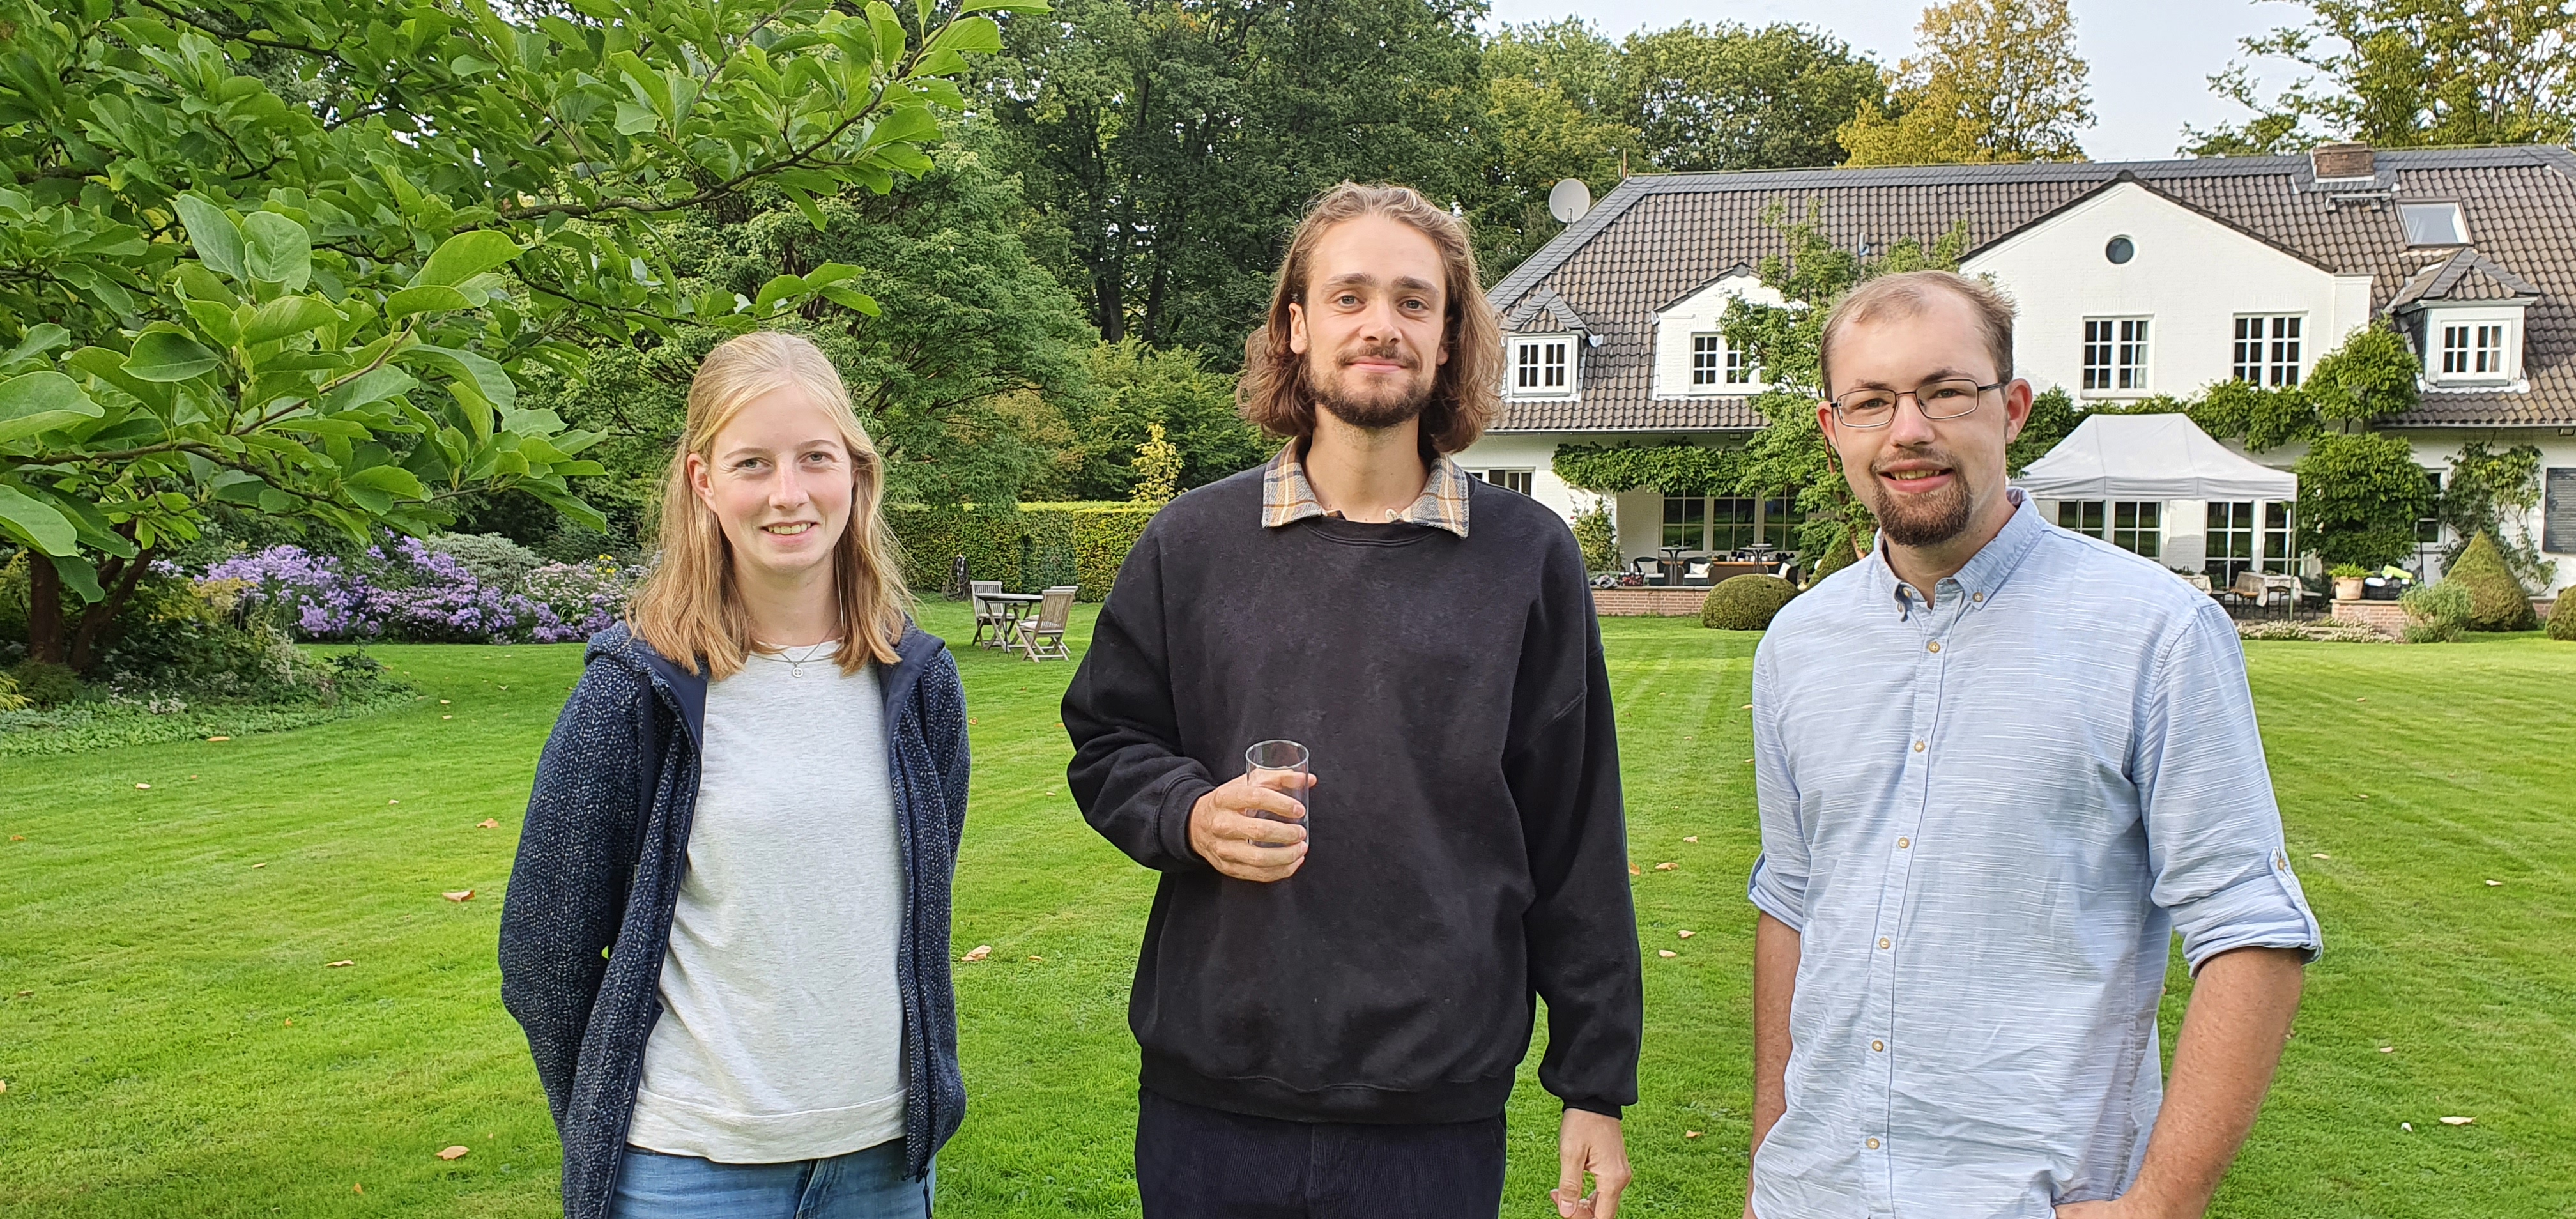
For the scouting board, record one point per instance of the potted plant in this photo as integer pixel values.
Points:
(2347, 580)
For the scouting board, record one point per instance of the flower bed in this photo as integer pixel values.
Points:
(414, 591)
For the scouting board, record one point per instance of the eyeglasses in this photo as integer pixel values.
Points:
(1944, 399)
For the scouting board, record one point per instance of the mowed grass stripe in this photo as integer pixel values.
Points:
(152, 1071)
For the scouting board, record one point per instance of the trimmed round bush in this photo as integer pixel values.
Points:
(1745, 603)
(2497, 601)
(2562, 616)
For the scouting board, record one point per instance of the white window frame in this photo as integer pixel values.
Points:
(1708, 361)
(1543, 366)
(2276, 344)
(1740, 370)
(1522, 480)
(2126, 350)
(2473, 347)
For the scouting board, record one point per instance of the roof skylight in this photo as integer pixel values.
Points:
(2433, 224)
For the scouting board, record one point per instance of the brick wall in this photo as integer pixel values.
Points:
(1648, 602)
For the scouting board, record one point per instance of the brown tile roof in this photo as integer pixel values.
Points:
(2464, 276)
(1653, 240)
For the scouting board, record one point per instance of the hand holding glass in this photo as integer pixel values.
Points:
(1282, 767)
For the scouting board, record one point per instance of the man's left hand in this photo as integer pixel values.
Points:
(2118, 1208)
(1589, 1142)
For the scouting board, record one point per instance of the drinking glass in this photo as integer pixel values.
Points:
(1280, 766)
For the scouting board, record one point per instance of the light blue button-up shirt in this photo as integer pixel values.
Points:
(1986, 818)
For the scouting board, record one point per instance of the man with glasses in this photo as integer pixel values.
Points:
(1999, 764)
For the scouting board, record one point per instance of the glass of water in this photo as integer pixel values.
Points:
(1280, 766)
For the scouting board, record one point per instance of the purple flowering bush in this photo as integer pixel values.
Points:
(411, 590)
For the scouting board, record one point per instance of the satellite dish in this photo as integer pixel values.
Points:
(1568, 200)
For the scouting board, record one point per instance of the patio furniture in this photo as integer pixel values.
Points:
(1042, 637)
(2258, 588)
(1648, 569)
(988, 613)
(1008, 610)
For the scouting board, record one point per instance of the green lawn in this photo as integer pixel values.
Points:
(174, 1044)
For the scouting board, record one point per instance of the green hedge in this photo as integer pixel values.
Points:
(1028, 547)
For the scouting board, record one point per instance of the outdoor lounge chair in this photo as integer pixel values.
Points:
(987, 613)
(1042, 637)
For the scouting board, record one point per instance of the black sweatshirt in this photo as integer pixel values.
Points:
(1467, 842)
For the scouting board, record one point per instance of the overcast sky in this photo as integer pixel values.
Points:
(2151, 61)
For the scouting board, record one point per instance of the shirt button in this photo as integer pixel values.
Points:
(1883, 941)
(1903, 843)
(2281, 862)
(1918, 746)
(1935, 645)
(1979, 598)
(1879, 1046)
(1873, 1144)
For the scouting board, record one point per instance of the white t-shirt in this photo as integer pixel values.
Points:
(781, 1035)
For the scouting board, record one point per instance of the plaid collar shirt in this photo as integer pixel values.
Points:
(1287, 497)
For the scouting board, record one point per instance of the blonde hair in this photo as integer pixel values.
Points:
(690, 608)
(1275, 394)
(1908, 295)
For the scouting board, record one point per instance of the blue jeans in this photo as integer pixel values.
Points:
(865, 1184)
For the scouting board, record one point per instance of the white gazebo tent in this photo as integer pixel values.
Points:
(2159, 459)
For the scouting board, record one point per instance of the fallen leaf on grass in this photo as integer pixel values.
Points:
(1690, 1134)
(1685, 934)
(2388, 1049)
(442, 702)
(4, 1085)
(259, 865)
(17, 837)
(457, 895)
(2457, 1121)
(358, 1188)
(143, 787)
(1745, 707)
(447, 717)
(1035, 958)
(339, 964)
(1633, 870)
(2361, 700)
(487, 823)
(972, 721)
(1666, 952)
(212, 739)
(2361, 795)
(454, 1153)
(2320, 855)
(2408, 1127)
(2495, 884)
(393, 801)
(1666, 866)
(1690, 837)
(979, 952)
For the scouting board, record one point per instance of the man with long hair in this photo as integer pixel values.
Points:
(1331, 1025)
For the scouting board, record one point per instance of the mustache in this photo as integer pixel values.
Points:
(1381, 351)
(1924, 453)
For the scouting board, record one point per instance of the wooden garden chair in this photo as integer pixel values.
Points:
(1042, 637)
(987, 613)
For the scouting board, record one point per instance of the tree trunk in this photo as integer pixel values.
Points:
(98, 622)
(44, 610)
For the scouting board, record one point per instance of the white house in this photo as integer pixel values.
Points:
(2151, 277)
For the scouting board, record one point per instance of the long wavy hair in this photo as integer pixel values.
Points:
(690, 608)
(1276, 394)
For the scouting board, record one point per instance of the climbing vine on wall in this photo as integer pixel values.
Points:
(1674, 469)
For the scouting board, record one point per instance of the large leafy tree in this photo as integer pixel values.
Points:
(1178, 140)
(1731, 97)
(1553, 111)
(2407, 74)
(296, 255)
(970, 320)
(1990, 80)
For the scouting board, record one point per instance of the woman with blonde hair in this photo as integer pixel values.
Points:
(727, 929)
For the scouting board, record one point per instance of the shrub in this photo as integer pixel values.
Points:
(2347, 571)
(1745, 603)
(1835, 558)
(574, 601)
(1027, 547)
(492, 559)
(2498, 601)
(10, 699)
(1596, 532)
(2359, 498)
(2562, 616)
(2436, 613)
(45, 684)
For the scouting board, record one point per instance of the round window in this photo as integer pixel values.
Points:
(2120, 250)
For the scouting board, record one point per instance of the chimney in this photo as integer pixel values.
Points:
(2343, 161)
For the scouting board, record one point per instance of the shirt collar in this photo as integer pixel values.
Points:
(1286, 496)
(1985, 573)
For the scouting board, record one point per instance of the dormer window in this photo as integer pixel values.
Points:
(1716, 368)
(2433, 224)
(1542, 366)
(2472, 346)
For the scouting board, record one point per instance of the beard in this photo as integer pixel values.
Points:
(1371, 407)
(1923, 520)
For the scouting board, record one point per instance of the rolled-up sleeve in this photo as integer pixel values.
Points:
(2214, 839)
(1779, 884)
